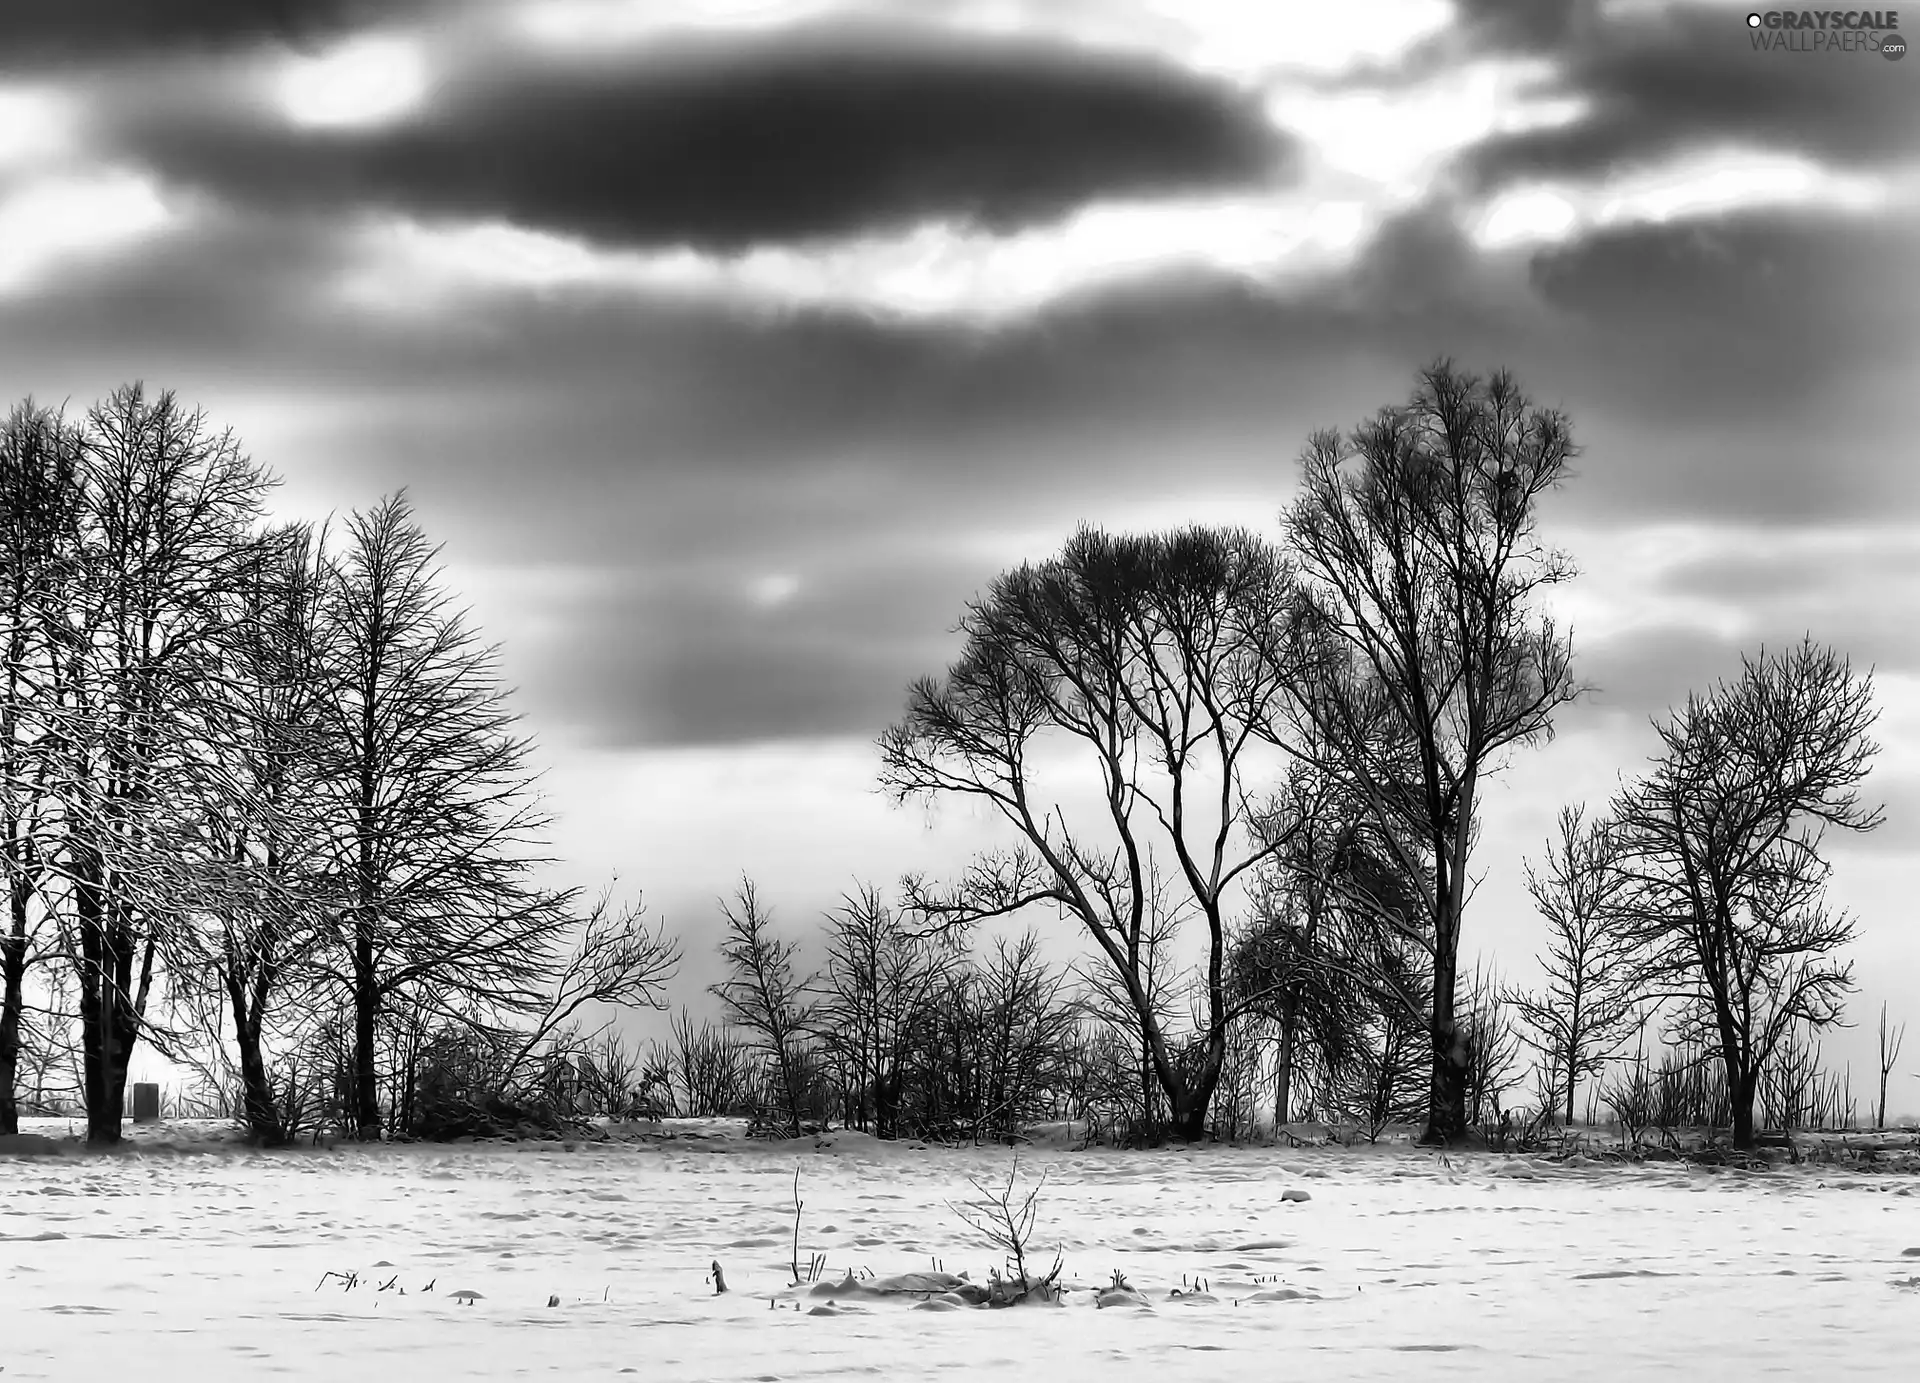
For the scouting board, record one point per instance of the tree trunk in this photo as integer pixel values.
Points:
(1452, 1056)
(1447, 1087)
(106, 1026)
(13, 999)
(1283, 1077)
(886, 1104)
(366, 1010)
(13, 969)
(1452, 1059)
(1573, 1079)
(1741, 1090)
(1192, 1096)
(257, 1104)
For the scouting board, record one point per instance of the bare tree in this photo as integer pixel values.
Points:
(1492, 1039)
(1590, 1005)
(1417, 654)
(1023, 1020)
(40, 502)
(1891, 1040)
(167, 524)
(618, 959)
(1721, 842)
(766, 998)
(1105, 995)
(707, 1062)
(1149, 657)
(241, 855)
(1306, 963)
(433, 827)
(879, 973)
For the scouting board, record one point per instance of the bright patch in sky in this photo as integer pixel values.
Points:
(935, 270)
(1700, 185)
(47, 221)
(1525, 217)
(1626, 580)
(1397, 140)
(1245, 40)
(365, 81)
(776, 588)
(35, 126)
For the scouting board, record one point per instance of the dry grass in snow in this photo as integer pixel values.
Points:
(188, 1257)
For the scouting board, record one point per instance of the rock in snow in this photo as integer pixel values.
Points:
(1295, 1195)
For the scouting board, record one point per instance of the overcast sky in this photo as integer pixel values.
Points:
(730, 345)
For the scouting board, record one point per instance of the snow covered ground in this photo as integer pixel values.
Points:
(189, 1258)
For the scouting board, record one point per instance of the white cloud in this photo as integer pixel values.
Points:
(1397, 140)
(935, 270)
(36, 127)
(51, 221)
(1697, 185)
(367, 80)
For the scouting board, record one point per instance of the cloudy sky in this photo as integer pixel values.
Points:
(729, 345)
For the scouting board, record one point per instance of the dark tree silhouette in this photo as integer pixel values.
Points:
(166, 531)
(879, 973)
(246, 855)
(1331, 899)
(40, 504)
(1720, 846)
(1151, 657)
(1591, 1004)
(765, 998)
(433, 827)
(1418, 658)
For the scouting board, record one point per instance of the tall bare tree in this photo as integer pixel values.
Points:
(1721, 848)
(1149, 657)
(40, 502)
(766, 998)
(247, 854)
(1591, 1004)
(171, 507)
(1417, 653)
(434, 831)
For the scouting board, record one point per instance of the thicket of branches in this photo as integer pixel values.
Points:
(263, 806)
(265, 809)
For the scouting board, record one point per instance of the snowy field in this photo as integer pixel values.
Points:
(184, 1258)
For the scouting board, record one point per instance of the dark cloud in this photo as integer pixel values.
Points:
(1759, 354)
(1686, 77)
(1523, 23)
(1704, 376)
(1784, 575)
(806, 134)
(1644, 672)
(35, 33)
(1757, 302)
(1649, 671)
(691, 657)
(680, 449)
(1854, 592)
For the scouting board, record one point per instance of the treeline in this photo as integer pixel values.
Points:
(264, 800)
(263, 807)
